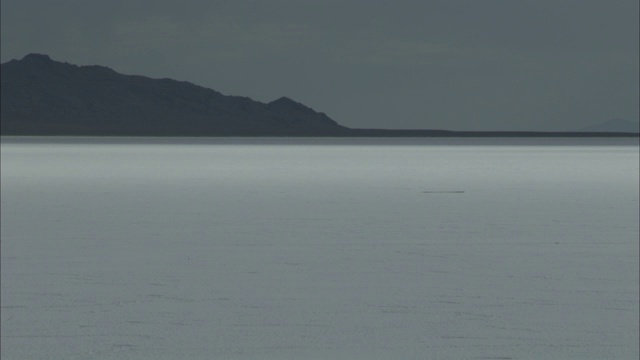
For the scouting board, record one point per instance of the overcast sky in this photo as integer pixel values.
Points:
(448, 64)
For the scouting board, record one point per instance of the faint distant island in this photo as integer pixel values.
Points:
(41, 96)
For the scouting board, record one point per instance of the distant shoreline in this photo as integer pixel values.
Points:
(446, 133)
(357, 133)
(322, 140)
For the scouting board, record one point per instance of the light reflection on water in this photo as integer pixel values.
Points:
(331, 248)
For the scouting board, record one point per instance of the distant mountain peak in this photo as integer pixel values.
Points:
(37, 58)
(296, 112)
(285, 101)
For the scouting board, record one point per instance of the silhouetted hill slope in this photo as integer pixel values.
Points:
(45, 97)
(41, 96)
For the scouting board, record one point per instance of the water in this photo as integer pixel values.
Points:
(319, 248)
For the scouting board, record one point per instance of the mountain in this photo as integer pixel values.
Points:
(614, 125)
(41, 96)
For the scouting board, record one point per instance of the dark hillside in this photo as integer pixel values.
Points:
(41, 96)
(45, 97)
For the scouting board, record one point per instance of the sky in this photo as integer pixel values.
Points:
(538, 65)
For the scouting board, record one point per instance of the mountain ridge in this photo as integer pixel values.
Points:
(41, 96)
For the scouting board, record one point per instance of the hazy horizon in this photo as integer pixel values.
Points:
(463, 65)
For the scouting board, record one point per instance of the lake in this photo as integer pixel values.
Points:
(271, 248)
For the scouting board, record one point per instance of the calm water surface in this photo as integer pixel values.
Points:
(319, 248)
